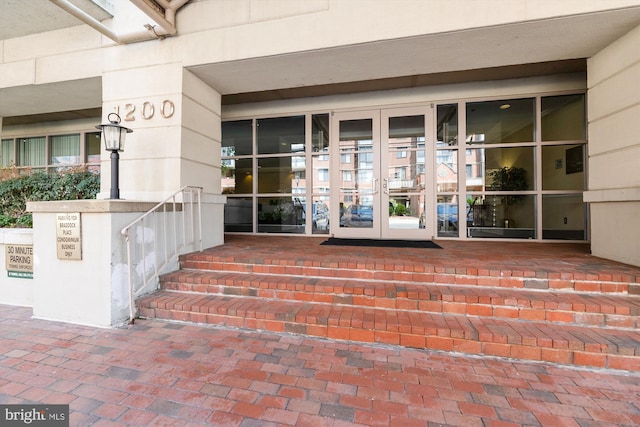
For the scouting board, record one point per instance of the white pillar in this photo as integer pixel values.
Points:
(175, 142)
(614, 150)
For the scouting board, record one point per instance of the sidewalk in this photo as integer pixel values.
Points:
(169, 374)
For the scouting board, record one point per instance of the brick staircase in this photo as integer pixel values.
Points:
(571, 314)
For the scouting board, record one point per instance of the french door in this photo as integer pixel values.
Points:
(382, 179)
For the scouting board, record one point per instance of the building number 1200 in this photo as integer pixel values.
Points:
(147, 110)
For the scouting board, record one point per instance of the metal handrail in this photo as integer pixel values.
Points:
(172, 247)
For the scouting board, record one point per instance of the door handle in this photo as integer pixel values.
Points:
(385, 185)
(375, 186)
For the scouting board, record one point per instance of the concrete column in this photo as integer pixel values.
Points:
(614, 150)
(92, 290)
(176, 136)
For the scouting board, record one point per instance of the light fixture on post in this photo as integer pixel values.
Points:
(113, 135)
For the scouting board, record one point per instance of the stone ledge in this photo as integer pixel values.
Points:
(90, 206)
(612, 195)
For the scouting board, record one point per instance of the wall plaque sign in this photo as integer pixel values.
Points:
(69, 236)
(19, 261)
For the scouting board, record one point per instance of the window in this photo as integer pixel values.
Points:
(266, 157)
(400, 173)
(8, 153)
(505, 121)
(52, 152)
(518, 170)
(92, 150)
(563, 128)
(237, 138)
(64, 150)
(237, 172)
(32, 151)
(505, 155)
(365, 160)
(563, 118)
(446, 173)
(280, 135)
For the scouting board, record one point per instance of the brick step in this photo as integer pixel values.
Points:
(620, 311)
(528, 340)
(398, 271)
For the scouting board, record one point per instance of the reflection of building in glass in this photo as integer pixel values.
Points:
(498, 191)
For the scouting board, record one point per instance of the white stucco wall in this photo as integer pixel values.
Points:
(614, 150)
(93, 290)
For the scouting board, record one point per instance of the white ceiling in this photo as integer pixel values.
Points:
(518, 50)
(20, 18)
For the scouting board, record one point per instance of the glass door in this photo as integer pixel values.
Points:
(381, 180)
(355, 186)
(406, 174)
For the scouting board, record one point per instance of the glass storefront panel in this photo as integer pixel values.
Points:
(405, 155)
(237, 176)
(320, 168)
(508, 216)
(498, 163)
(320, 172)
(237, 138)
(447, 212)
(281, 175)
(505, 121)
(475, 169)
(320, 133)
(447, 125)
(280, 135)
(447, 170)
(501, 169)
(238, 214)
(563, 167)
(281, 214)
(563, 217)
(407, 211)
(563, 118)
(401, 127)
(356, 173)
(405, 179)
(320, 215)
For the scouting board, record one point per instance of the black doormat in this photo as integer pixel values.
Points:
(384, 243)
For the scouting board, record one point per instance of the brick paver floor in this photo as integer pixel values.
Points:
(169, 374)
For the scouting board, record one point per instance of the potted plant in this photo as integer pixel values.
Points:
(509, 179)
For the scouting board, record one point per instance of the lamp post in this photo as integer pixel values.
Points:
(113, 136)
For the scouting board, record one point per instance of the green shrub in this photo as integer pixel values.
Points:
(39, 186)
(401, 210)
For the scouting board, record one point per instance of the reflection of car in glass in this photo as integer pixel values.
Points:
(357, 216)
(320, 216)
(447, 215)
